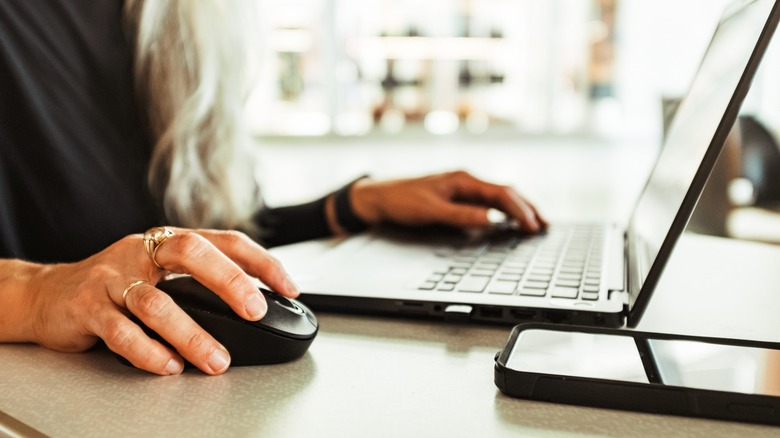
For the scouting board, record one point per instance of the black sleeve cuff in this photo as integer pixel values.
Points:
(297, 223)
(285, 225)
(345, 215)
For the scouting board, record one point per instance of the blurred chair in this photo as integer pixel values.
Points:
(756, 193)
(760, 162)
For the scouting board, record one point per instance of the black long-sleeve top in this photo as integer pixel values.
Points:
(73, 150)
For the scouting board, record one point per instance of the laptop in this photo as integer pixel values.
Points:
(584, 274)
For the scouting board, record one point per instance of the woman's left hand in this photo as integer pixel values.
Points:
(454, 198)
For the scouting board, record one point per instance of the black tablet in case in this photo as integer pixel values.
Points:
(649, 372)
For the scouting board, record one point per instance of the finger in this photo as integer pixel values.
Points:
(504, 198)
(539, 218)
(128, 340)
(528, 217)
(161, 314)
(254, 259)
(190, 253)
(462, 215)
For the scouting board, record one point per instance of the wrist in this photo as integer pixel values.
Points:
(18, 290)
(365, 201)
(340, 212)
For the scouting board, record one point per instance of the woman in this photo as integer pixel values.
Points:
(118, 117)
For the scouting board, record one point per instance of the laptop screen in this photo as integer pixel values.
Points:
(694, 140)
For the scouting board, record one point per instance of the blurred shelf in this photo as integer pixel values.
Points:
(430, 48)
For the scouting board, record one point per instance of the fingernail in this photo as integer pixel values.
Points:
(255, 306)
(219, 360)
(174, 367)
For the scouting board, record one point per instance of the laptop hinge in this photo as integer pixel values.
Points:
(616, 273)
(620, 295)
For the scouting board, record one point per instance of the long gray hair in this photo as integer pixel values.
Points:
(193, 74)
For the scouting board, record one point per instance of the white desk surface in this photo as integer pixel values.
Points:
(371, 376)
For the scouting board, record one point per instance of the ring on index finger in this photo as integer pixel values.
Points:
(153, 239)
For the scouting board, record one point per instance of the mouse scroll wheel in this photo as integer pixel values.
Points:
(284, 302)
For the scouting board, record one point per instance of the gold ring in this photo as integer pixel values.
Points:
(153, 238)
(127, 290)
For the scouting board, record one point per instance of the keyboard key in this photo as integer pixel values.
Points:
(572, 267)
(483, 272)
(492, 267)
(446, 287)
(533, 292)
(502, 287)
(428, 285)
(564, 292)
(571, 270)
(567, 283)
(473, 284)
(542, 271)
(590, 296)
(443, 269)
(536, 285)
(590, 288)
(540, 277)
(509, 276)
(451, 278)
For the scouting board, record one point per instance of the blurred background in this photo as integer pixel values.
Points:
(379, 84)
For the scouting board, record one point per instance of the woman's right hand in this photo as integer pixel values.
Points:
(72, 305)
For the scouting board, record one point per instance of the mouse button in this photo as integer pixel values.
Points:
(273, 298)
(286, 322)
(288, 316)
(309, 314)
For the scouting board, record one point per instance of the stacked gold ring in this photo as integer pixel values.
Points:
(153, 239)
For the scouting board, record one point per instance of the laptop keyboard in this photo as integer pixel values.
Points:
(564, 262)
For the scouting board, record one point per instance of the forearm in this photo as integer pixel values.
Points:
(17, 280)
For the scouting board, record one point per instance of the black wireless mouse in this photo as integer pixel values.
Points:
(284, 334)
